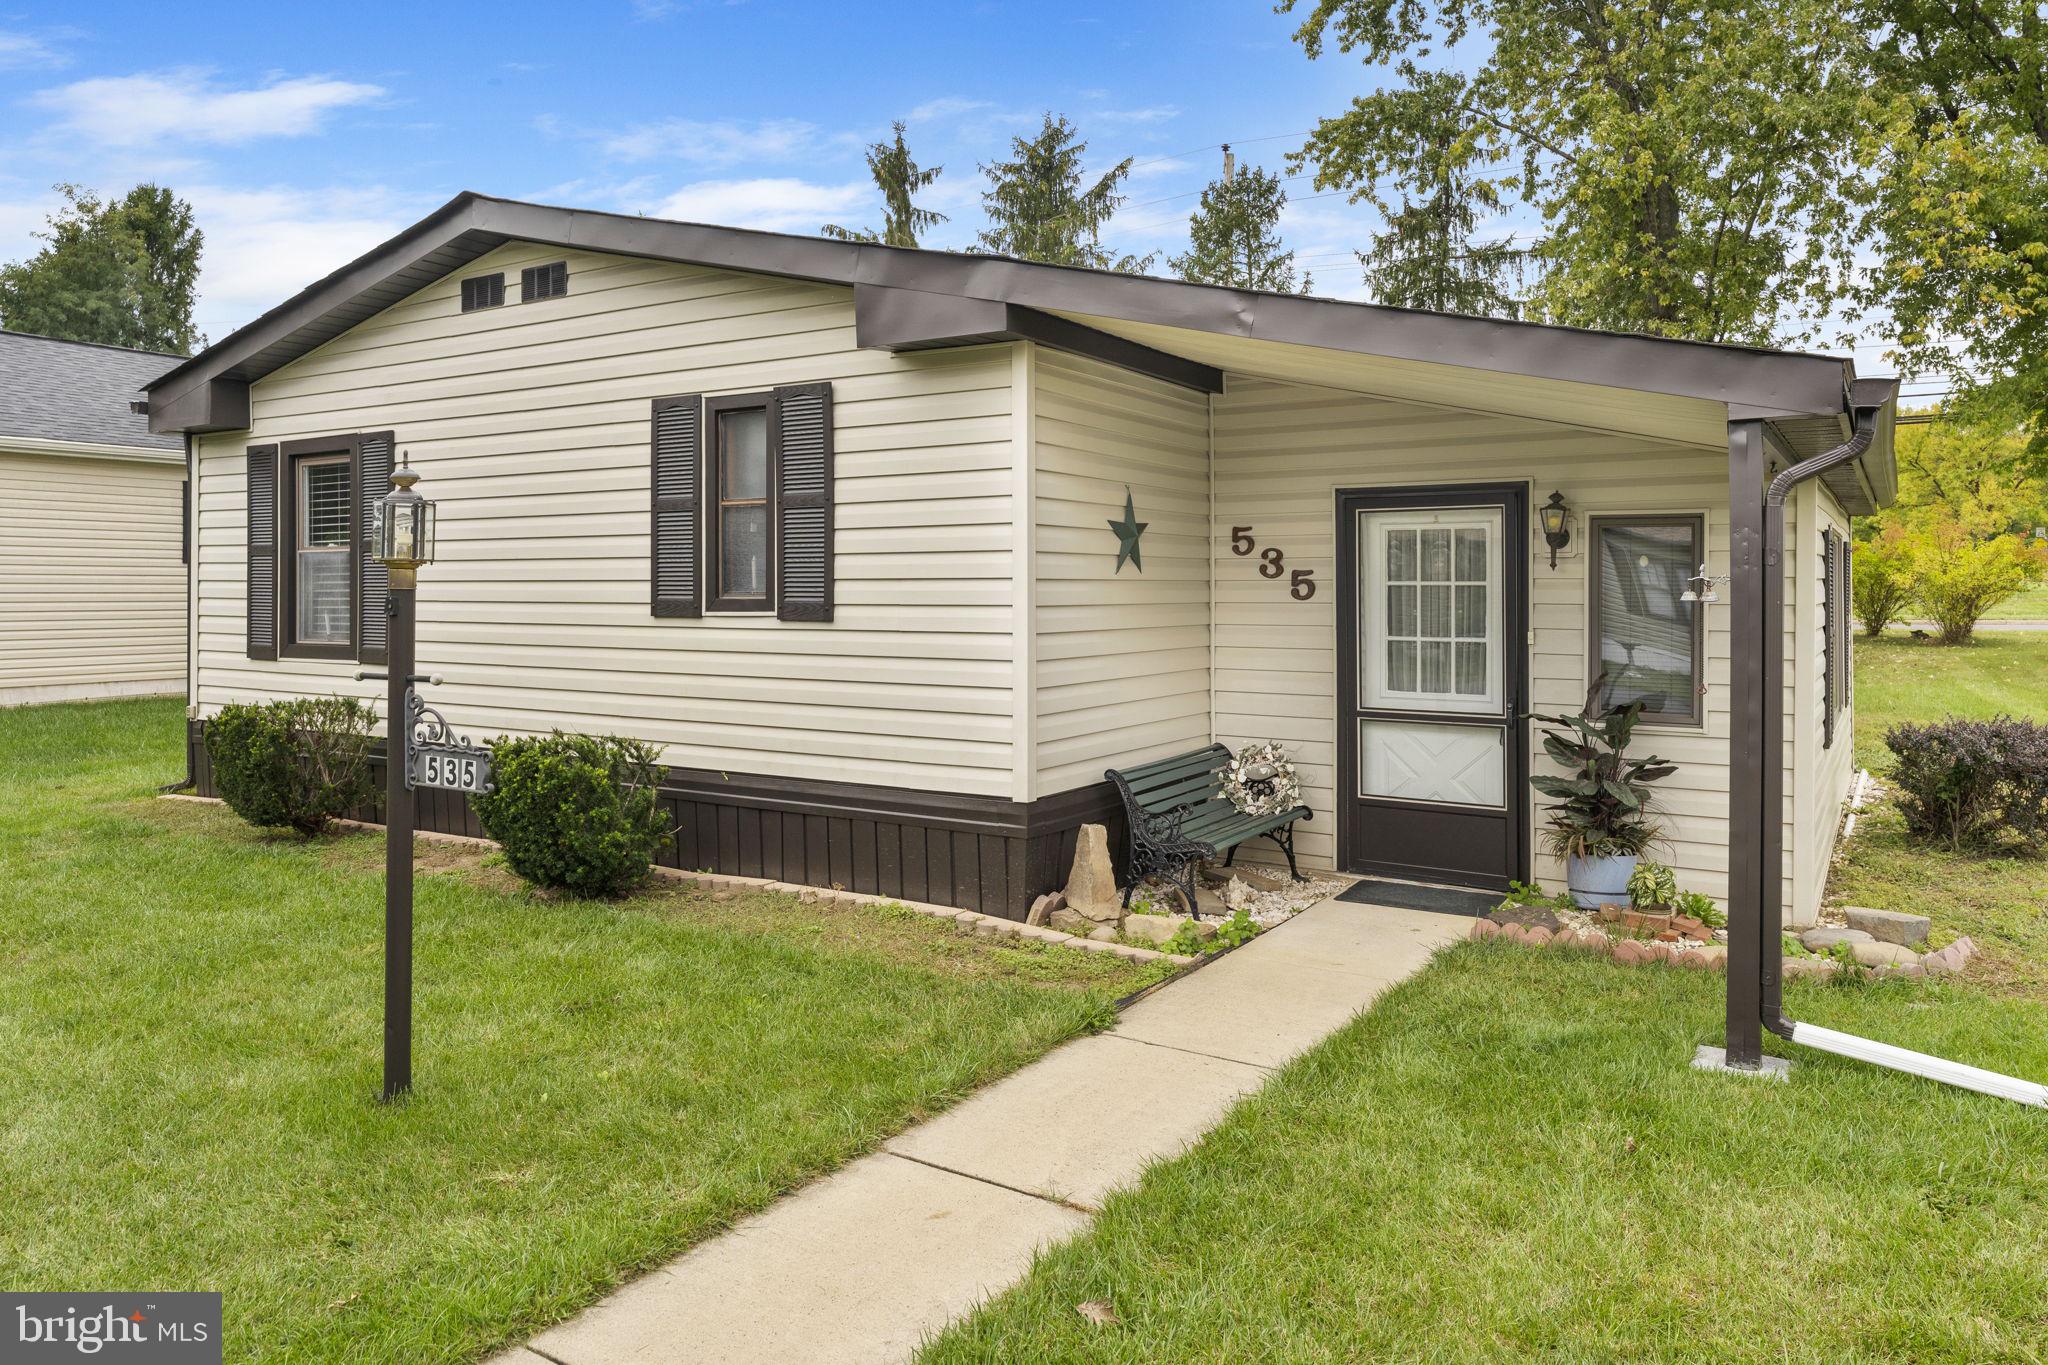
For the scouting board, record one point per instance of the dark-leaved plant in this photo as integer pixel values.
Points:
(298, 763)
(1602, 805)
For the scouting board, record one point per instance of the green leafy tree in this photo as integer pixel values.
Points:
(1686, 160)
(1881, 587)
(122, 272)
(1956, 576)
(1234, 239)
(899, 178)
(1962, 210)
(1038, 210)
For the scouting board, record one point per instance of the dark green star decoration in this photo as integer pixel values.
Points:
(1127, 532)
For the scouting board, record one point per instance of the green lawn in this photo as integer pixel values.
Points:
(1509, 1158)
(2002, 903)
(2029, 604)
(190, 1013)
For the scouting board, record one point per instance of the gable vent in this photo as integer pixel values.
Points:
(543, 281)
(482, 291)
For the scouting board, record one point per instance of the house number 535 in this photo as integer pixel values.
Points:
(1301, 583)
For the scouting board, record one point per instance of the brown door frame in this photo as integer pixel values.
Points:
(1513, 498)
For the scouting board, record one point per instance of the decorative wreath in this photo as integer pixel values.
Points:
(1260, 780)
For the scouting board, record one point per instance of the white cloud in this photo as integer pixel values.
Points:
(720, 142)
(950, 106)
(1158, 113)
(263, 246)
(21, 50)
(185, 105)
(781, 204)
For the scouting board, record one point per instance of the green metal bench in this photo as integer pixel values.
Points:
(1178, 816)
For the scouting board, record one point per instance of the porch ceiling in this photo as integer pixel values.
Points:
(1667, 417)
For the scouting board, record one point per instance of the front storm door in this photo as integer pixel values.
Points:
(1431, 657)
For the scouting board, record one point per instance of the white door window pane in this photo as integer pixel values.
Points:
(1646, 639)
(1401, 665)
(1436, 667)
(1401, 609)
(1471, 567)
(1401, 556)
(1436, 555)
(1472, 613)
(1464, 765)
(1436, 612)
(1471, 669)
(743, 551)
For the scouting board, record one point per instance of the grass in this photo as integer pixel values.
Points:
(2028, 604)
(2002, 903)
(1508, 1158)
(191, 1018)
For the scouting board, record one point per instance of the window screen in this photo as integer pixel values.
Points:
(325, 499)
(1644, 638)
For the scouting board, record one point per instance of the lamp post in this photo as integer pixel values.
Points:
(405, 540)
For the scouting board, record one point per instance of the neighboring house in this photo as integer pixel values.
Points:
(829, 523)
(91, 526)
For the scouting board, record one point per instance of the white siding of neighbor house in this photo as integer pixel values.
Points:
(1281, 452)
(529, 424)
(1824, 772)
(1122, 655)
(93, 603)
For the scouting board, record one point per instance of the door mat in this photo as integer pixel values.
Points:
(1443, 900)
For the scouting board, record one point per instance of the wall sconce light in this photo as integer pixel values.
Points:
(1700, 587)
(1556, 533)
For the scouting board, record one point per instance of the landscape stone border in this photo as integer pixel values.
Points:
(1631, 952)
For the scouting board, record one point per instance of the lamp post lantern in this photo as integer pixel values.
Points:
(405, 540)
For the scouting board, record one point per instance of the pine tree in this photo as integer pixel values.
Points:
(1427, 258)
(1038, 211)
(899, 178)
(1233, 236)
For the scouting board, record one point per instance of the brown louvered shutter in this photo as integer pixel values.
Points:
(800, 431)
(1830, 635)
(373, 580)
(262, 587)
(674, 566)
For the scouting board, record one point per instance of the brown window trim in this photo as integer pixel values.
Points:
(714, 595)
(290, 453)
(1595, 527)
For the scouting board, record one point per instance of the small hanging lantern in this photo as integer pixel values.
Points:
(404, 528)
(1556, 518)
(1700, 587)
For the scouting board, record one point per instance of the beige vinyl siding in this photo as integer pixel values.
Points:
(1823, 775)
(1122, 657)
(94, 603)
(530, 424)
(1281, 452)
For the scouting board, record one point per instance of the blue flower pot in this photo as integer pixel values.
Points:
(1596, 882)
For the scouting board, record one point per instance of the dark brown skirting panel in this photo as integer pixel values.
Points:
(977, 852)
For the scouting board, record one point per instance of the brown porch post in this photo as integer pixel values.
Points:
(1749, 755)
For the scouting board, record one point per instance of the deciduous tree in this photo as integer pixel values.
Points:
(122, 272)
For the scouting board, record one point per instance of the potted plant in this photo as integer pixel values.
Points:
(1601, 823)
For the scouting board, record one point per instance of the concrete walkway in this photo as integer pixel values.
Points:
(864, 1264)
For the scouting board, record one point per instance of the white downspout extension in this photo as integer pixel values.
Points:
(1920, 1064)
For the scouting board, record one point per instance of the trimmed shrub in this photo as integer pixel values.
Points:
(297, 764)
(1957, 577)
(1973, 784)
(575, 812)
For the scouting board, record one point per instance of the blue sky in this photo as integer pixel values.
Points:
(305, 134)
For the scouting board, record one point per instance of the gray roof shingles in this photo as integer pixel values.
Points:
(75, 391)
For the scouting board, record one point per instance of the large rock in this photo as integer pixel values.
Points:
(1890, 926)
(1154, 929)
(1091, 885)
(1884, 954)
(1071, 922)
(1826, 936)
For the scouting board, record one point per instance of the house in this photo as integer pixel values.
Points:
(830, 523)
(91, 526)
